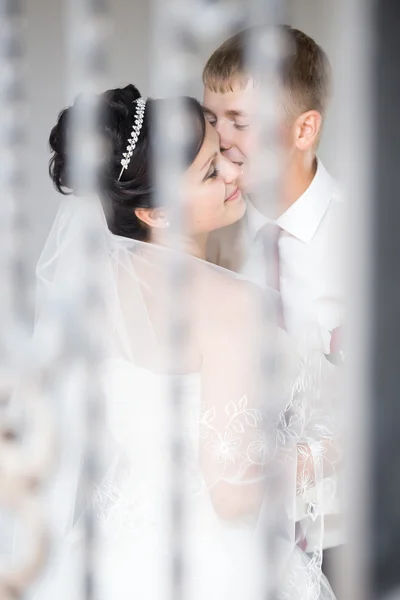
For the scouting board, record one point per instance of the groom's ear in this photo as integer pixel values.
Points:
(307, 128)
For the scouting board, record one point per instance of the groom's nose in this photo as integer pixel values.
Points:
(230, 171)
(225, 141)
(225, 144)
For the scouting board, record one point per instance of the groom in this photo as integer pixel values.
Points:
(308, 220)
(310, 207)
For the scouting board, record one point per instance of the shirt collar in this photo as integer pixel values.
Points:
(303, 218)
(255, 219)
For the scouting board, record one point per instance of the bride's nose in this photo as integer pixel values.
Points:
(229, 170)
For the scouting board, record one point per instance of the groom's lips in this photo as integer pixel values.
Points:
(235, 194)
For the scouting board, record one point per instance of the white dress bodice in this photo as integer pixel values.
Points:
(133, 503)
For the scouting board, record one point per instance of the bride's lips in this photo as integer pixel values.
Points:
(235, 194)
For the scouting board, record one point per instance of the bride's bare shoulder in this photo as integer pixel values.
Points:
(223, 294)
(226, 311)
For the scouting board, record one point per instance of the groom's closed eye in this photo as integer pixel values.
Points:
(240, 126)
(239, 119)
(210, 116)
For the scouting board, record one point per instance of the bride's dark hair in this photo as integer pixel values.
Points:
(136, 188)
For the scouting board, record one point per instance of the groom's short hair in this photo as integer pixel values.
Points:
(305, 73)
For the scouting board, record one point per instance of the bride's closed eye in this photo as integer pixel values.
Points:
(212, 173)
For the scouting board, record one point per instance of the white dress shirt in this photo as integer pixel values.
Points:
(311, 281)
(310, 252)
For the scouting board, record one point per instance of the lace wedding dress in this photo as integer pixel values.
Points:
(241, 467)
(223, 558)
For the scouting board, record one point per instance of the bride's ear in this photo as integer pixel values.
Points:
(152, 217)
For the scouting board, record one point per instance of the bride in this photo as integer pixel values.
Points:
(247, 451)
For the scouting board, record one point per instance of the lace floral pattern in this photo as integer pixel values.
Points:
(302, 578)
(123, 505)
(241, 437)
(249, 437)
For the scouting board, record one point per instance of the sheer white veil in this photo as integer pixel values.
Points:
(250, 445)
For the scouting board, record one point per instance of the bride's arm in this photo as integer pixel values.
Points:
(231, 424)
(238, 447)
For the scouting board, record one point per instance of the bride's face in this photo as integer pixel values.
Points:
(211, 191)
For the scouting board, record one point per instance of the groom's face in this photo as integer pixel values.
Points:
(230, 113)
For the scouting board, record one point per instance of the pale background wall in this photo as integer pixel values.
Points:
(129, 62)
